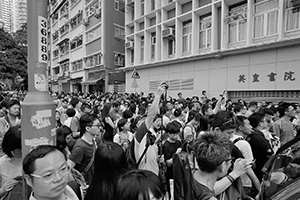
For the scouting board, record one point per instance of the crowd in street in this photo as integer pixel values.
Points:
(117, 146)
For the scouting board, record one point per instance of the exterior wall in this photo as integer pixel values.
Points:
(236, 48)
(92, 50)
(233, 73)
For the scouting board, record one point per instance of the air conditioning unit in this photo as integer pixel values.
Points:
(97, 13)
(168, 33)
(295, 3)
(86, 21)
(129, 45)
(130, 2)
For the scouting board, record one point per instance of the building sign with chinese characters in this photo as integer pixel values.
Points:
(269, 76)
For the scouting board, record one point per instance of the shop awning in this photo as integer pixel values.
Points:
(76, 80)
(91, 82)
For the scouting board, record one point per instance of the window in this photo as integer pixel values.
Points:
(142, 48)
(119, 32)
(93, 60)
(292, 17)
(142, 7)
(76, 42)
(92, 8)
(64, 8)
(120, 5)
(55, 53)
(93, 34)
(171, 47)
(152, 5)
(237, 24)
(204, 32)
(119, 59)
(265, 18)
(64, 28)
(64, 67)
(55, 35)
(77, 65)
(64, 48)
(153, 42)
(55, 17)
(76, 19)
(187, 36)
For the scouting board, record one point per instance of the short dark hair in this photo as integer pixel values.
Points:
(240, 121)
(177, 112)
(39, 152)
(70, 112)
(86, 119)
(127, 114)
(12, 102)
(138, 183)
(84, 106)
(121, 124)
(74, 101)
(252, 103)
(282, 108)
(173, 127)
(211, 149)
(12, 140)
(255, 119)
(224, 120)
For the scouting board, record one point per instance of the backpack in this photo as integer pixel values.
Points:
(285, 162)
(181, 134)
(17, 191)
(183, 177)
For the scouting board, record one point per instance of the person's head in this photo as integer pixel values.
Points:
(173, 129)
(237, 109)
(13, 107)
(127, 114)
(61, 137)
(169, 106)
(116, 105)
(157, 121)
(213, 153)
(86, 108)
(105, 110)
(70, 112)
(224, 122)
(177, 112)
(139, 185)
(203, 92)
(90, 124)
(207, 109)
(258, 121)
(197, 106)
(252, 106)
(11, 143)
(286, 109)
(75, 103)
(64, 103)
(123, 124)
(269, 114)
(46, 172)
(195, 118)
(179, 95)
(204, 123)
(110, 164)
(243, 125)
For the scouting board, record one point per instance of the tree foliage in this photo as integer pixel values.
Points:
(13, 57)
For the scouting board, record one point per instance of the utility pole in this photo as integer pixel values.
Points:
(38, 108)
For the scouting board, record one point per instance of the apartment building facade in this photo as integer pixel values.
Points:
(251, 48)
(86, 45)
(6, 14)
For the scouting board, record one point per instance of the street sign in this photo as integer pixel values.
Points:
(135, 74)
(134, 84)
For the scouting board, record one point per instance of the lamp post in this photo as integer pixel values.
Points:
(38, 108)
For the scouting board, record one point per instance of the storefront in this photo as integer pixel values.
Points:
(95, 82)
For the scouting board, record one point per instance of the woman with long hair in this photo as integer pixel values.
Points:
(109, 125)
(110, 163)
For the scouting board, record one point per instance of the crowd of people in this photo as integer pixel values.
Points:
(98, 135)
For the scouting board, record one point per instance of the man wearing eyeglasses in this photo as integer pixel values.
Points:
(46, 172)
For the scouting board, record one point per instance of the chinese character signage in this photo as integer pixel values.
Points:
(280, 76)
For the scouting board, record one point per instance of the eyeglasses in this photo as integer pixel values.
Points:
(49, 176)
(97, 125)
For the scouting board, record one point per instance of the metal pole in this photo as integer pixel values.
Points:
(38, 108)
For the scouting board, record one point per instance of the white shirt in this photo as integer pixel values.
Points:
(70, 194)
(8, 171)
